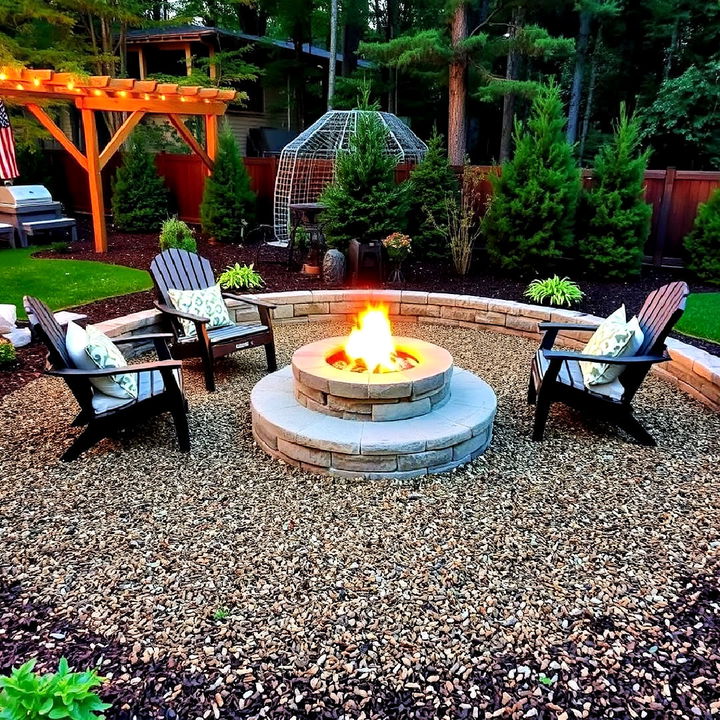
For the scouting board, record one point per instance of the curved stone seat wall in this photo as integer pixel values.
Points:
(694, 371)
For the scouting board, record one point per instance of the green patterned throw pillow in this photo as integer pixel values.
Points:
(616, 337)
(90, 349)
(207, 303)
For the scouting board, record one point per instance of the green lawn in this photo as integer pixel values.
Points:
(702, 316)
(63, 283)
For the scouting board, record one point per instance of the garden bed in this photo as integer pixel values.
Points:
(571, 578)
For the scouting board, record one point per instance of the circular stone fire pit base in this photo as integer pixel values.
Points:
(448, 436)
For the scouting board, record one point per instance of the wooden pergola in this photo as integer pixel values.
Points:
(134, 98)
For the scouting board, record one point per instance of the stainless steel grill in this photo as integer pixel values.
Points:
(21, 204)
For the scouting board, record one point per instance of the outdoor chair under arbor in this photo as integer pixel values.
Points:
(159, 385)
(182, 270)
(556, 375)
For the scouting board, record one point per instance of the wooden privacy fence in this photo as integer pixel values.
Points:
(674, 194)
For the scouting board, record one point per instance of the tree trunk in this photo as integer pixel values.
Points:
(351, 42)
(332, 61)
(457, 88)
(670, 56)
(393, 19)
(511, 73)
(590, 94)
(576, 92)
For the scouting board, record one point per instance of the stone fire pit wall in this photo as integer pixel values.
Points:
(694, 371)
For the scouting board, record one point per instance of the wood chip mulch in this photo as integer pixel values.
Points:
(574, 578)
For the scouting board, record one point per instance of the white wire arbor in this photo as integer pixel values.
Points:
(307, 164)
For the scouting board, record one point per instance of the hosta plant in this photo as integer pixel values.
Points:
(7, 352)
(28, 696)
(554, 291)
(241, 277)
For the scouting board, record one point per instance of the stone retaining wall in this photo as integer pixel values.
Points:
(694, 371)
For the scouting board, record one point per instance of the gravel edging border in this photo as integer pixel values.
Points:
(692, 370)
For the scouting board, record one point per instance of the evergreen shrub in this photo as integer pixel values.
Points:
(530, 223)
(228, 204)
(364, 202)
(703, 242)
(140, 200)
(615, 219)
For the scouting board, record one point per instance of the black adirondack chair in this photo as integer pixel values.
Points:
(159, 385)
(182, 270)
(556, 376)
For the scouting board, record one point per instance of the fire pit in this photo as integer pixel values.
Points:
(373, 405)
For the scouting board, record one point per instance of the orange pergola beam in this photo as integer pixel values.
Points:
(48, 123)
(189, 138)
(105, 94)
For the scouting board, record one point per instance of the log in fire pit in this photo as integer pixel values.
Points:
(373, 405)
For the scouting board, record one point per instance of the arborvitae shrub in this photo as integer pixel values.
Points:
(703, 242)
(530, 223)
(228, 204)
(615, 219)
(432, 181)
(139, 196)
(364, 202)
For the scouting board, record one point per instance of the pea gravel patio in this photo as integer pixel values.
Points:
(573, 578)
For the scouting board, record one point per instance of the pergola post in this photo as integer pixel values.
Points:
(211, 139)
(97, 204)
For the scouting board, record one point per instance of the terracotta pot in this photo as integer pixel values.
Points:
(310, 269)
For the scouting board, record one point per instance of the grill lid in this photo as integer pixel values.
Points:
(23, 195)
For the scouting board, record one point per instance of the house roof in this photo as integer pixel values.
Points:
(195, 32)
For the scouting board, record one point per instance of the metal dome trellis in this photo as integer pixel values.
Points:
(307, 164)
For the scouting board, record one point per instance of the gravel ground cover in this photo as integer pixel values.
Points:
(576, 578)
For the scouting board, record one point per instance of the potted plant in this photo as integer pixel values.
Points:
(398, 247)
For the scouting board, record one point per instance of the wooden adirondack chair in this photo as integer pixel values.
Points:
(556, 376)
(182, 270)
(159, 385)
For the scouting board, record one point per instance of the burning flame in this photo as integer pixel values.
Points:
(371, 341)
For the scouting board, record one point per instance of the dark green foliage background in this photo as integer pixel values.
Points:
(703, 243)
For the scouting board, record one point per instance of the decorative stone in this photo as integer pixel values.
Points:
(334, 267)
(449, 435)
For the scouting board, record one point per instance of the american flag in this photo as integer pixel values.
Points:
(8, 164)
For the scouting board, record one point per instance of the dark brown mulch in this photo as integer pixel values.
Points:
(137, 250)
(675, 650)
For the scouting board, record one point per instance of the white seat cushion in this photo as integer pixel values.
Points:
(149, 383)
(91, 349)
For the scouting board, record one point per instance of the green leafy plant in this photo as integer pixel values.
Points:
(364, 202)
(614, 217)
(64, 694)
(432, 181)
(228, 204)
(8, 354)
(530, 223)
(139, 195)
(177, 234)
(222, 613)
(241, 277)
(555, 291)
(61, 247)
(702, 244)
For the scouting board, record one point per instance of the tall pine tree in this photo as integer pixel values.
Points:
(615, 214)
(530, 223)
(228, 203)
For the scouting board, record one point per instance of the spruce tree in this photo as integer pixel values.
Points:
(364, 202)
(703, 242)
(433, 180)
(615, 221)
(228, 203)
(529, 225)
(139, 195)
